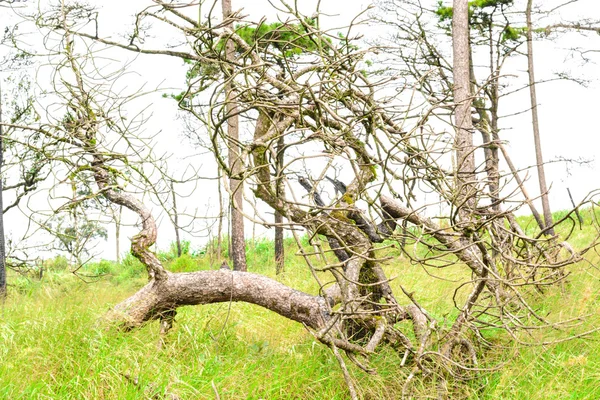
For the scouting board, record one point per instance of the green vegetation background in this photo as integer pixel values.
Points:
(52, 347)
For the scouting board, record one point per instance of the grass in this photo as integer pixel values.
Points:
(52, 347)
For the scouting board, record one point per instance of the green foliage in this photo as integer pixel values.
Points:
(58, 263)
(75, 236)
(490, 3)
(185, 247)
(278, 40)
(103, 267)
(513, 34)
(481, 17)
(130, 268)
(444, 13)
(185, 263)
(172, 253)
(288, 39)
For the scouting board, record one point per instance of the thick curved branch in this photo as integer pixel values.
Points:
(140, 243)
(207, 287)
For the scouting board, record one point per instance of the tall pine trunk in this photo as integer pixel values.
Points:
(465, 155)
(237, 252)
(539, 159)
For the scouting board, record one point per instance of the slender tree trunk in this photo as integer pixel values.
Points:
(521, 184)
(176, 220)
(490, 148)
(76, 247)
(536, 127)
(221, 216)
(279, 250)
(575, 207)
(238, 244)
(117, 216)
(2, 244)
(465, 157)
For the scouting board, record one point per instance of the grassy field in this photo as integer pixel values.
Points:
(52, 347)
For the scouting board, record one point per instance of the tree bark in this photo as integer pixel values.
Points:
(536, 128)
(238, 244)
(465, 155)
(221, 216)
(279, 250)
(223, 285)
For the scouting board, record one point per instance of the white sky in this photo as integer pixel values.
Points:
(568, 113)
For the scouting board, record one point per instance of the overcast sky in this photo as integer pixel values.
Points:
(568, 112)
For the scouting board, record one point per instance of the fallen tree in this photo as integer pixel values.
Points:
(321, 106)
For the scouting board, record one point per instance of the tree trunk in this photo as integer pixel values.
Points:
(465, 156)
(176, 221)
(238, 244)
(118, 215)
(521, 184)
(279, 251)
(2, 243)
(579, 217)
(221, 216)
(536, 128)
(206, 287)
(488, 135)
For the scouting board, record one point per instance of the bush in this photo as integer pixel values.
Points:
(172, 253)
(102, 267)
(185, 263)
(129, 268)
(57, 264)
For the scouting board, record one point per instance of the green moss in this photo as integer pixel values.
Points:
(341, 216)
(348, 198)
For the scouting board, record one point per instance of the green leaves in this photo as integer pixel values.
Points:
(478, 10)
(278, 41)
(281, 40)
(481, 17)
(513, 34)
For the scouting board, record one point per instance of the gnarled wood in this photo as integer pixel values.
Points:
(159, 298)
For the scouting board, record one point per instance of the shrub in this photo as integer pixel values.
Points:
(185, 263)
(102, 267)
(58, 263)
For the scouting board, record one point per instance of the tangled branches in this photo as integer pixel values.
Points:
(308, 98)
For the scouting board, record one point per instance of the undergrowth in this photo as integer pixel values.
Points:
(53, 347)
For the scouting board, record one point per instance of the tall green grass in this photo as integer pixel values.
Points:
(52, 346)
